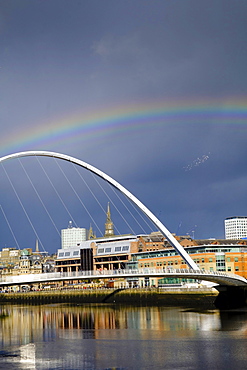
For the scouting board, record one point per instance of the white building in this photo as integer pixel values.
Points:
(236, 227)
(73, 236)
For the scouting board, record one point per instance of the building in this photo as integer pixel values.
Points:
(209, 255)
(75, 258)
(106, 253)
(9, 258)
(29, 263)
(236, 227)
(24, 261)
(73, 236)
(98, 254)
(113, 252)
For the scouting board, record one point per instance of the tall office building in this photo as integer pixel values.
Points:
(236, 227)
(73, 236)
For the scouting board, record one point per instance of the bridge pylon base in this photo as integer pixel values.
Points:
(230, 297)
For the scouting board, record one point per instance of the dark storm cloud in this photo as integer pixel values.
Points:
(193, 46)
(61, 57)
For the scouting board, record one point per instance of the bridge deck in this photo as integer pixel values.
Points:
(216, 277)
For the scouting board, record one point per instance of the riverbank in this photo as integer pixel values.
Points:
(198, 298)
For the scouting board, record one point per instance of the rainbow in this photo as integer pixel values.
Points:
(122, 119)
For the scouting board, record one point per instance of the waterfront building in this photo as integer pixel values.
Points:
(236, 227)
(9, 257)
(156, 240)
(209, 255)
(29, 263)
(73, 236)
(24, 261)
(153, 250)
(105, 254)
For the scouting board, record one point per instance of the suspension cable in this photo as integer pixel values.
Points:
(91, 217)
(95, 178)
(23, 208)
(54, 188)
(41, 201)
(138, 223)
(89, 188)
(11, 230)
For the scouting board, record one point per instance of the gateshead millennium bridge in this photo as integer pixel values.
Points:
(222, 279)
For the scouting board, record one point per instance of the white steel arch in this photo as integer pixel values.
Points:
(118, 186)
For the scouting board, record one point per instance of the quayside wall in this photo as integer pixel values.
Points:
(151, 296)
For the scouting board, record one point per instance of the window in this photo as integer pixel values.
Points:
(236, 268)
(229, 268)
(108, 250)
(236, 259)
(220, 263)
(75, 253)
(210, 260)
(228, 259)
(67, 254)
(125, 248)
(117, 249)
(101, 250)
(60, 254)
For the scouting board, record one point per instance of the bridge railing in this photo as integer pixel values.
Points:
(146, 271)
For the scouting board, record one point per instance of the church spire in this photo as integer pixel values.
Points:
(109, 228)
(37, 246)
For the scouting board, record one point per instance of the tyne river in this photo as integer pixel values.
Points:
(100, 337)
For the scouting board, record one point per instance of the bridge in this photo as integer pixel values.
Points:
(119, 187)
(233, 287)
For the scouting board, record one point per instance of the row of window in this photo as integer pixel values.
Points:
(68, 254)
(228, 259)
(68, 262)
(219, 268)
(125, 248)
(202, 260)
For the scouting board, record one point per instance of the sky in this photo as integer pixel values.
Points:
(153, 93)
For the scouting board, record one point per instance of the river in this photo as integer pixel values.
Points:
(100, 337)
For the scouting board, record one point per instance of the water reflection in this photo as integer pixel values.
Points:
(104, 336)
(23, 324)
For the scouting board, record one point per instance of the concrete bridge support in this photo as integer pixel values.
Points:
(231, 297)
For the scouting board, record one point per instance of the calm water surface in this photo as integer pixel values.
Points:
(100, 337)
